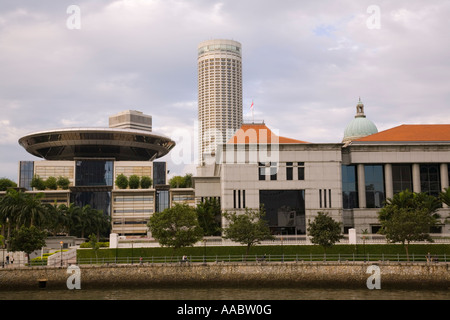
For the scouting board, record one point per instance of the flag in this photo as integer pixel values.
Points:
(251, 107)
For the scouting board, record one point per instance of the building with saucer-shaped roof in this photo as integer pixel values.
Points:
(93, 158)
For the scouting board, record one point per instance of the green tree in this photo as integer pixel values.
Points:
(249, 228)
(63, 182)
(146, 182)
(409, 216)
(93, 243)
(28, 239)
(324, 231)
(122, 181)
(181, 181)
(176, 227)
(209, 216)
(134, 182)
(6, 183)
(51, 183)
(176, 182)
(38, 183)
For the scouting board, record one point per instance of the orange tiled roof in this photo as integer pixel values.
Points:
(412, 132)
(258, 133)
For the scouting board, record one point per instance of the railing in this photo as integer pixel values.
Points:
(251, 258)
(298, 258)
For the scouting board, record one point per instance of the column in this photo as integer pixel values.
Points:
(416, 177)
(361, 186)
(444, 179)
(389, 185)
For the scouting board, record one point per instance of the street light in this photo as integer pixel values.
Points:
(60, 253)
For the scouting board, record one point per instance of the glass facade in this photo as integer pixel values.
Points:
(162, 200)
(349, 187)
(94, 173)
(402, 177)
(285, 210)
(159, 173)
(375, 194)
(100, 200)
(430, 181)
(26, 174)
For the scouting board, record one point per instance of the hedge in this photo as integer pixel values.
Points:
(369, 249)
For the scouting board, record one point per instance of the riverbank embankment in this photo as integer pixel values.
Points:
(275, 274)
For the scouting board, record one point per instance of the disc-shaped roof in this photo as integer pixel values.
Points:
(120, 144)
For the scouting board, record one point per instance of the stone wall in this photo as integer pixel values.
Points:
(295, 274)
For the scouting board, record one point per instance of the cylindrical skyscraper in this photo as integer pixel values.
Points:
(219, 93)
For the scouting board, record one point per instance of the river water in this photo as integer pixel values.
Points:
(226, 294)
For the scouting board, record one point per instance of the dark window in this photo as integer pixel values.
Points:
(289, 171)
(234, 199)
(159, 173)
(430, 179)
(285, 210)
(99, 200)
(94, 173)
(261, 171)
(349, 187)
(374, 176)
(301, 171)
(243, 198)
(401, 177)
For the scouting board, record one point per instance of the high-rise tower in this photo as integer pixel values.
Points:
(219, 93)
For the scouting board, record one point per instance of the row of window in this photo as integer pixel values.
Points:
(269, 169)
(402, 179)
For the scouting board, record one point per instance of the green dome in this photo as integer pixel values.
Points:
(360, 126)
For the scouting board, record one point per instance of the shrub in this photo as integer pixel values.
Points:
(63, 183)
(122, 181)
(134, 182)
(146, 182)
(51, 183)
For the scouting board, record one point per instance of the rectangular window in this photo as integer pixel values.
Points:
(273, 171)
(239, 199)
(401, 177)
(243, 198)
(329, 197)
(261, 171)
(301, 171)
(349, 187)
(289, 171)
(325, 198)
(94, 173)
(320, 198)
(430, 181)
(375, 196)
(234, 198)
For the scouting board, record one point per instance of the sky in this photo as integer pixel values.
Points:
(305, 65)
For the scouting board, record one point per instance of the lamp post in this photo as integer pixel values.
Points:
(60, 253)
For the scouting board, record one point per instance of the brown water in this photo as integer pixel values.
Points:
(226, 294)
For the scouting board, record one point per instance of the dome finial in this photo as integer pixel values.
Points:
(360, 109)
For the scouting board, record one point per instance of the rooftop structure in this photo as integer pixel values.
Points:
(360, 126)
(116, 143)
(131, 119)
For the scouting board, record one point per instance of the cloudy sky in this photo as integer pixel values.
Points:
(305, 64)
